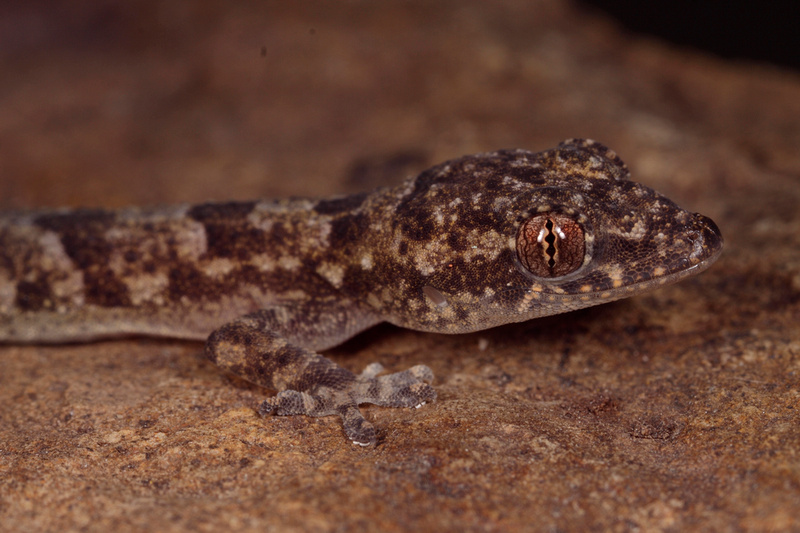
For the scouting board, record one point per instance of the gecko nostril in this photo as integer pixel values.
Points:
(709, 232)
(705, 238)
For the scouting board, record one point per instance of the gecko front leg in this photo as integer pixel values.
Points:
(309, 383)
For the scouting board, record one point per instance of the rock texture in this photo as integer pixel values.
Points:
(673, 411)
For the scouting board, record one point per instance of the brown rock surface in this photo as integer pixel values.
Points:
(672, 411)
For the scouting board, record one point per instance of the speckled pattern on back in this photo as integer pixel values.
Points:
(469, 244)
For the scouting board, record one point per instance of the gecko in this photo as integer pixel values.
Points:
(470, 244)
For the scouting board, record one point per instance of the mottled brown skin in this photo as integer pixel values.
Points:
(469, 244)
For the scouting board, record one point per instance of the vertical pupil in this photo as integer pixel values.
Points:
(550, 239)
(551, 245)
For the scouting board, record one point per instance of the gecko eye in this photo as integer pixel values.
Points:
(550, 245)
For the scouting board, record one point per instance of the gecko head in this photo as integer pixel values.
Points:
(515, 235)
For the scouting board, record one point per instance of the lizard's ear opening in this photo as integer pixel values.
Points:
(551, 245)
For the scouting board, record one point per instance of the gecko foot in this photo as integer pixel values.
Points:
(409, 388)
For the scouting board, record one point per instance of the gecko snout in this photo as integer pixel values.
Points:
(706, 237)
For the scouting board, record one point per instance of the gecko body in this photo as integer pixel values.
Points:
(469, 244)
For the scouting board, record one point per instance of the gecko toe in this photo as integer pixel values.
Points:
(422, 373)
(356, 426)
(291, 402)
(399, 390)
(371, 370)
(424, 393)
